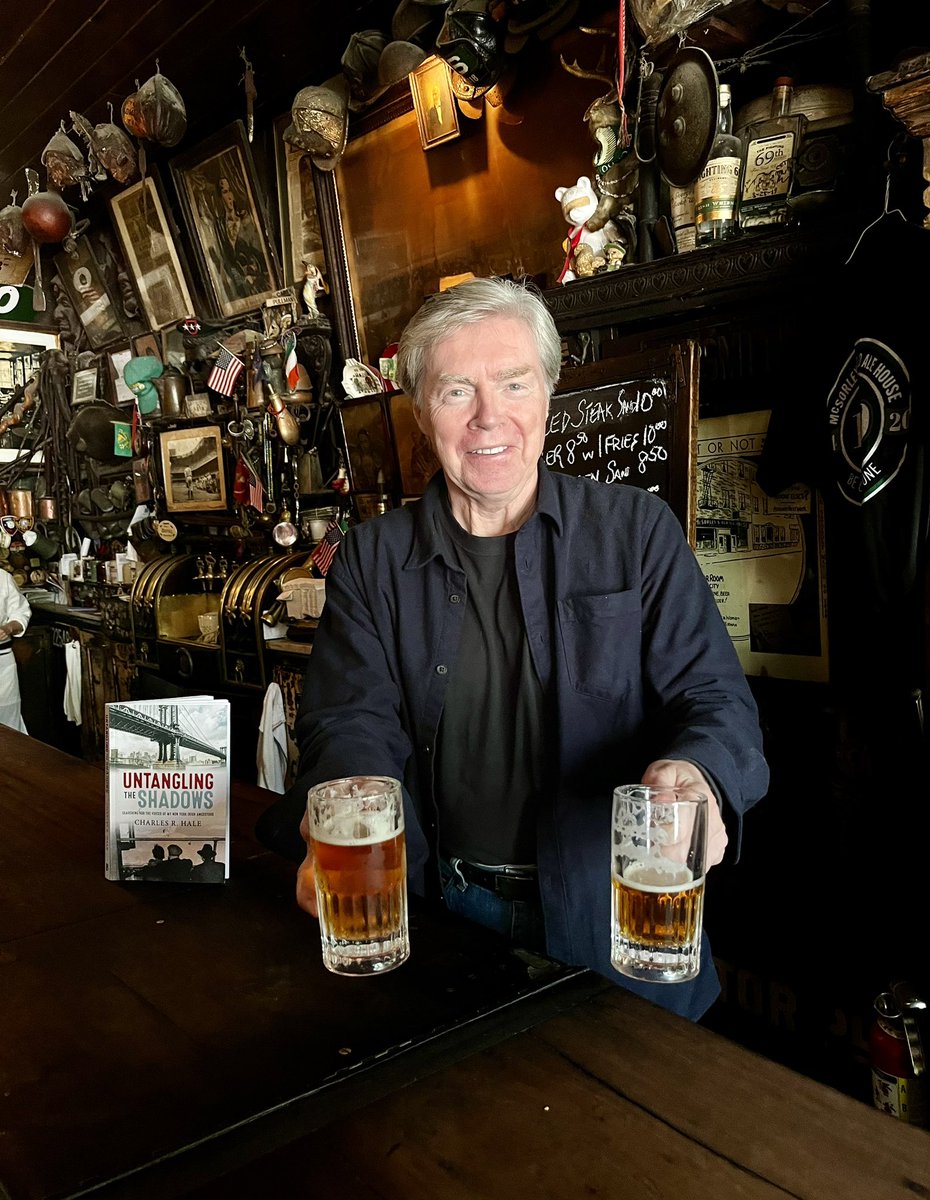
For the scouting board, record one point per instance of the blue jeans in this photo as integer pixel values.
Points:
(519, 920)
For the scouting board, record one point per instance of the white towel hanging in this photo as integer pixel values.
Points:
(272, 741)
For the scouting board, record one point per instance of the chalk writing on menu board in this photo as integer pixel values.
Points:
(618, 433)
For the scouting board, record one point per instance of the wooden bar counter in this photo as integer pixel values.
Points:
(184, 1040)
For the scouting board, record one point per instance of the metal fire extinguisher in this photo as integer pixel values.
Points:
(896, 1054)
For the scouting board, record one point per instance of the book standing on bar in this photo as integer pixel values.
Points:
(167, 790)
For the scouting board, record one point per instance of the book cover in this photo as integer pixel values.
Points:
(167, 790)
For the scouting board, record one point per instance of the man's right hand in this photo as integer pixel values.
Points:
(306, 885)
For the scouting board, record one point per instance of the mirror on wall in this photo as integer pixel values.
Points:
(21, 348)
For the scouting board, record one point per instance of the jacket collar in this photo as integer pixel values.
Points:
(427, 539)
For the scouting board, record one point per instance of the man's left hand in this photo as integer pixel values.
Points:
(677, 773)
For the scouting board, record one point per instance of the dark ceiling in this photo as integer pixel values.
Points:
(57, 55)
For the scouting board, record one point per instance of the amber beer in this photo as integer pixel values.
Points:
(657, 918)
(658, 883)
(359, 859)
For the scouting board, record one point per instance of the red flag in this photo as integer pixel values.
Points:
(322, 557)
(225, 372)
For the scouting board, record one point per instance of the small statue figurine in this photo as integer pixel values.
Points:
(314, 285)
(584, 248)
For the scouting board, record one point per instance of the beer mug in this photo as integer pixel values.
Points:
(360, 868)
(658, 859)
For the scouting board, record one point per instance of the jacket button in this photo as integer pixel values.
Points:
(442, 669)
(454, 599)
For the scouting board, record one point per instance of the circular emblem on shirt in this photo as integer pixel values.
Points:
(869, 413)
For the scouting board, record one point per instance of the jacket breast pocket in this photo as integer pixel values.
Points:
(601, 638)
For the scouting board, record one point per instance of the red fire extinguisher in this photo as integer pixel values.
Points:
(896, 1054)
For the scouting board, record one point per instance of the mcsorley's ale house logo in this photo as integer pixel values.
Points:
(869, 412)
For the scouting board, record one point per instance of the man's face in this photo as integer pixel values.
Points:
(484, 408)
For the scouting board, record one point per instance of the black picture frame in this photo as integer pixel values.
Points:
(298, 208)
(82, 278)
(225, 218)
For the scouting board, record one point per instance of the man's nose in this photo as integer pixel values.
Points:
(489, 408)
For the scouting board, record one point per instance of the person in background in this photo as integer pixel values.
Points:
(514, 646)
(14, 617)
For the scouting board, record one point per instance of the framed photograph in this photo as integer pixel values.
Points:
(301, 235)
(192, 469)
(434, 102)
(84, 386)
(415, 457)
(152, 256)
(146, 346)
(763, 556)
(368, 445)
(220, 199)
(122, 393)
(83, 281)
(15, 271)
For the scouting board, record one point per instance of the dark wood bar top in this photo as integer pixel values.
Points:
(175, 1040)
(612, 1098)
(157, 1034)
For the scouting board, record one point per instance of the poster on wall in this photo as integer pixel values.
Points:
(762, 555)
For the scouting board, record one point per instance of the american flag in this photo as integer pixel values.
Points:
(256, 494)
(226, 371)
(322, 557)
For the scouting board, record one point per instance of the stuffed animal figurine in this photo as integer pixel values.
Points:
(138, 375)
(584, 248)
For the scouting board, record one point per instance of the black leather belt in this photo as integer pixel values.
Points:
(508, 882)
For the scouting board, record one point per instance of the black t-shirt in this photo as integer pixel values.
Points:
(855, 424)
(491, 745)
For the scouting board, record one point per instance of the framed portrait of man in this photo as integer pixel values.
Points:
(433, 99)
(222, 207)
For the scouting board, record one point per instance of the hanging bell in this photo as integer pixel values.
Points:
(13, 237)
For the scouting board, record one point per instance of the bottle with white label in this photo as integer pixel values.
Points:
(770, 154)
(717, 186)
(681, 211)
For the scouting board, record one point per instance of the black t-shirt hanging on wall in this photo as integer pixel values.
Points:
(855, 424)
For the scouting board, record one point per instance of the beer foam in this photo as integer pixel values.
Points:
(658, 877)
(358, 829)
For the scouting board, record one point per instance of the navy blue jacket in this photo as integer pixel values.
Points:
(626, 639)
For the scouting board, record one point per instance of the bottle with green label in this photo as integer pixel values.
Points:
(770, 154)
(716, 188)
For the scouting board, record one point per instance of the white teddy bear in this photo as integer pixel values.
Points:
(585, 252)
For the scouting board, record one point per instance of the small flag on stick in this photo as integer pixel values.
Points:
(225, 373)
(290, 362)
(322, 557)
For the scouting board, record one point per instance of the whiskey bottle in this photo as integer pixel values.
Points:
(770, 152)
(717, 187)
(681, 211)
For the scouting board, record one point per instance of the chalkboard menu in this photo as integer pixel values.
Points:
(631, 420)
